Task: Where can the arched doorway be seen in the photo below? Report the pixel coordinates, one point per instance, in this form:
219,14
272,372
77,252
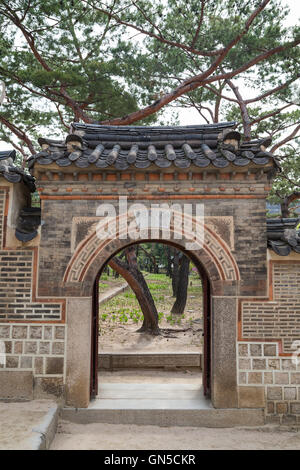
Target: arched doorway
206,311
214,258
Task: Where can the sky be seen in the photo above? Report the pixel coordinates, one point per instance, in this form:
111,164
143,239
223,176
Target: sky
191,116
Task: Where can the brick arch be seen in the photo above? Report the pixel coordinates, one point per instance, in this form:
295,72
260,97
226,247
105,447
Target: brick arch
92,253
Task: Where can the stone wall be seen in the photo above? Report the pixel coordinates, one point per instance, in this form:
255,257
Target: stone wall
262,371
32,330
2,206
269,365
33,296
39,348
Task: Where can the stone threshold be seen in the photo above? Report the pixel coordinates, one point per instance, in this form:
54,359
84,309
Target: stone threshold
167,416
131,360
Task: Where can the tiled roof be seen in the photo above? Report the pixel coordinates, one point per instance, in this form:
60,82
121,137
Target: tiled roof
121,147
283,236
12,173
5,154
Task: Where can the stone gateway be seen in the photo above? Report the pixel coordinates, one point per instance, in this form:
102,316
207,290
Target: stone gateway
50,258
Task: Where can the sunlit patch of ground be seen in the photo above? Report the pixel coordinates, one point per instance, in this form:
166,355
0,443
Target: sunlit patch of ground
121,317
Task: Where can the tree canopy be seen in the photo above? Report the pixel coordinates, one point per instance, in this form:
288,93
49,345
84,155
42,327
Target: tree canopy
125,61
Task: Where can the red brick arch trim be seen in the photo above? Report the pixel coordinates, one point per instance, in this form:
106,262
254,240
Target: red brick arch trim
214,253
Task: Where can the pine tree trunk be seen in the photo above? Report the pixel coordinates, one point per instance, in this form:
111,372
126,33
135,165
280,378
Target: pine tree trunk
182,287
175,274
169,262
136,281
285,208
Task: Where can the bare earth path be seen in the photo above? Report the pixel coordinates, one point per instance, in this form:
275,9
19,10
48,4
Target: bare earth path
131,437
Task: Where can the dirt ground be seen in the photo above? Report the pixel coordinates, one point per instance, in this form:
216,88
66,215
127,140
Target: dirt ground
120,318
131,437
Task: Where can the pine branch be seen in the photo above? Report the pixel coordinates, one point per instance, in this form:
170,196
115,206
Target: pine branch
18,133
290,137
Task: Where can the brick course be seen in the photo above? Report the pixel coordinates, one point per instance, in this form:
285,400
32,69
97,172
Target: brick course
2,205
280,318
16,274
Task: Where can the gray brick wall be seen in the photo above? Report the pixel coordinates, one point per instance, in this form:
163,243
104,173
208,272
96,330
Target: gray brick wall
2,206
281,317
16,275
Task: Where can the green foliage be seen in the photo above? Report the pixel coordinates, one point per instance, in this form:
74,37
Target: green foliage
102,285
124,309
73,47
81,61
288,180
124,315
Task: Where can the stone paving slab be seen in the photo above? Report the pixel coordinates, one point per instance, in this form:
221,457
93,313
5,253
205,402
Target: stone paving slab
112,293
28,425
119,360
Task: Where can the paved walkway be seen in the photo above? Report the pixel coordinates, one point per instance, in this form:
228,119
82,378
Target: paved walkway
112,293
22,423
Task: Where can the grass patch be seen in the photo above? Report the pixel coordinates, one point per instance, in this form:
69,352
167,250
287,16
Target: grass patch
124,308
102,285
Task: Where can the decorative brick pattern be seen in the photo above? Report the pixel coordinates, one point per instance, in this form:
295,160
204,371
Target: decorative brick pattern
16,270
84,255
58,240
260,365
279,319
39,348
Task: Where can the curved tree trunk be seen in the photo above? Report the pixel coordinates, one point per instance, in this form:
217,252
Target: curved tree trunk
285,202
182,286
151,258
136,281
169,261
175,273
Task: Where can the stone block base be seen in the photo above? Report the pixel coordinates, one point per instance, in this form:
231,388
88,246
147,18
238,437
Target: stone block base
16,385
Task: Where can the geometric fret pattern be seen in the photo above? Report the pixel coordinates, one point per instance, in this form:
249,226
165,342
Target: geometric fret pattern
215,248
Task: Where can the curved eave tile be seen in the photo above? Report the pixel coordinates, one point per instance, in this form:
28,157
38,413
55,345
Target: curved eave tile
25,237
280,248
17,175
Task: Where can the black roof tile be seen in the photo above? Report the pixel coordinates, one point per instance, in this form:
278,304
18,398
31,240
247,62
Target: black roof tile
282,236
12,173
215,145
